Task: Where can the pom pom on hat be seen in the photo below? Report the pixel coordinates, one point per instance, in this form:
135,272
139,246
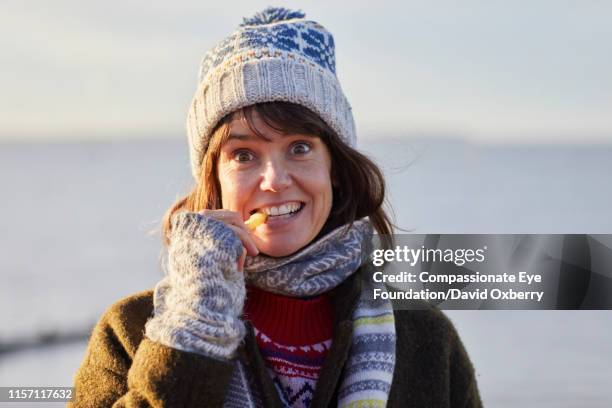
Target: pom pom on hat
272,15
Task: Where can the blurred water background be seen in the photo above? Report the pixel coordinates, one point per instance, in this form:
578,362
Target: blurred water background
79,231
486,117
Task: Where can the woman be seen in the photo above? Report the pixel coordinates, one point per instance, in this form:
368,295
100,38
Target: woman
279,314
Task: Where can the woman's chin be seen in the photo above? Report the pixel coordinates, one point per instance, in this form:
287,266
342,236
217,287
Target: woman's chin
283,240
277,252
279,249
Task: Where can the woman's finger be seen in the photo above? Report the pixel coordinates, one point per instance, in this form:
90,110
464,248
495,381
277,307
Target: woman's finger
227,216
247,240
235,222
241,260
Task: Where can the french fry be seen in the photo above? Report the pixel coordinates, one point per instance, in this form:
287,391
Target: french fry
255,220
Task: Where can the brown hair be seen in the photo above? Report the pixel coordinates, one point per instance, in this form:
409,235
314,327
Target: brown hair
358,184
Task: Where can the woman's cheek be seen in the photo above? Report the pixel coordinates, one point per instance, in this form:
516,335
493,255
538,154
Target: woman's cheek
322,190
240,187
229,187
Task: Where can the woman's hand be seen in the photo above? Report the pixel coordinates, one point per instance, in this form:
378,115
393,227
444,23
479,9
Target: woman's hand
235,222
198,304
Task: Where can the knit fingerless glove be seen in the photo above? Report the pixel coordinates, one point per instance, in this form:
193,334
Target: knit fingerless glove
197,305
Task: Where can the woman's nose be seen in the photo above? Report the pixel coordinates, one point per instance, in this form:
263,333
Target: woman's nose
276,178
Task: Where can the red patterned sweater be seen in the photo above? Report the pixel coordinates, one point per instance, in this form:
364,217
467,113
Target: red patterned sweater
294,336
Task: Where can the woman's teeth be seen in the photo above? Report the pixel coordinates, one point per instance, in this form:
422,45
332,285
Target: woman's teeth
282,209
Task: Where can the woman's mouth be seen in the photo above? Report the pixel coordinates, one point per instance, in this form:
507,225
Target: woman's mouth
282,211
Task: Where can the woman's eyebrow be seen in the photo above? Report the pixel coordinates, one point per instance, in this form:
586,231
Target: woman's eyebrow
245,137
248,137
239,136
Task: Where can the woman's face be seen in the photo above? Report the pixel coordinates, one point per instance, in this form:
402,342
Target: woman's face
287,176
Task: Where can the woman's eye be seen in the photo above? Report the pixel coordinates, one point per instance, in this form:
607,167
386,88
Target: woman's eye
300,148
243,156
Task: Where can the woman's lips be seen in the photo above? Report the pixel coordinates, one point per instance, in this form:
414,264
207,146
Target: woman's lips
273,209
278,221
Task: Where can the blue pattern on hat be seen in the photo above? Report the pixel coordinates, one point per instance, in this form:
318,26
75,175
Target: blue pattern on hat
276,29
281,36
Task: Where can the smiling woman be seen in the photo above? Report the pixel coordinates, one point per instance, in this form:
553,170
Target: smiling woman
280,314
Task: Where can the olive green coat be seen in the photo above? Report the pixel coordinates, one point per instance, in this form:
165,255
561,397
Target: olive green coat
122,368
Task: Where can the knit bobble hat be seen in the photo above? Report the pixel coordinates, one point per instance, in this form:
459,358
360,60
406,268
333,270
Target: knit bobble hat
276,55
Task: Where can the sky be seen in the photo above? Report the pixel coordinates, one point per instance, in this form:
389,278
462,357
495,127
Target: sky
492,71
